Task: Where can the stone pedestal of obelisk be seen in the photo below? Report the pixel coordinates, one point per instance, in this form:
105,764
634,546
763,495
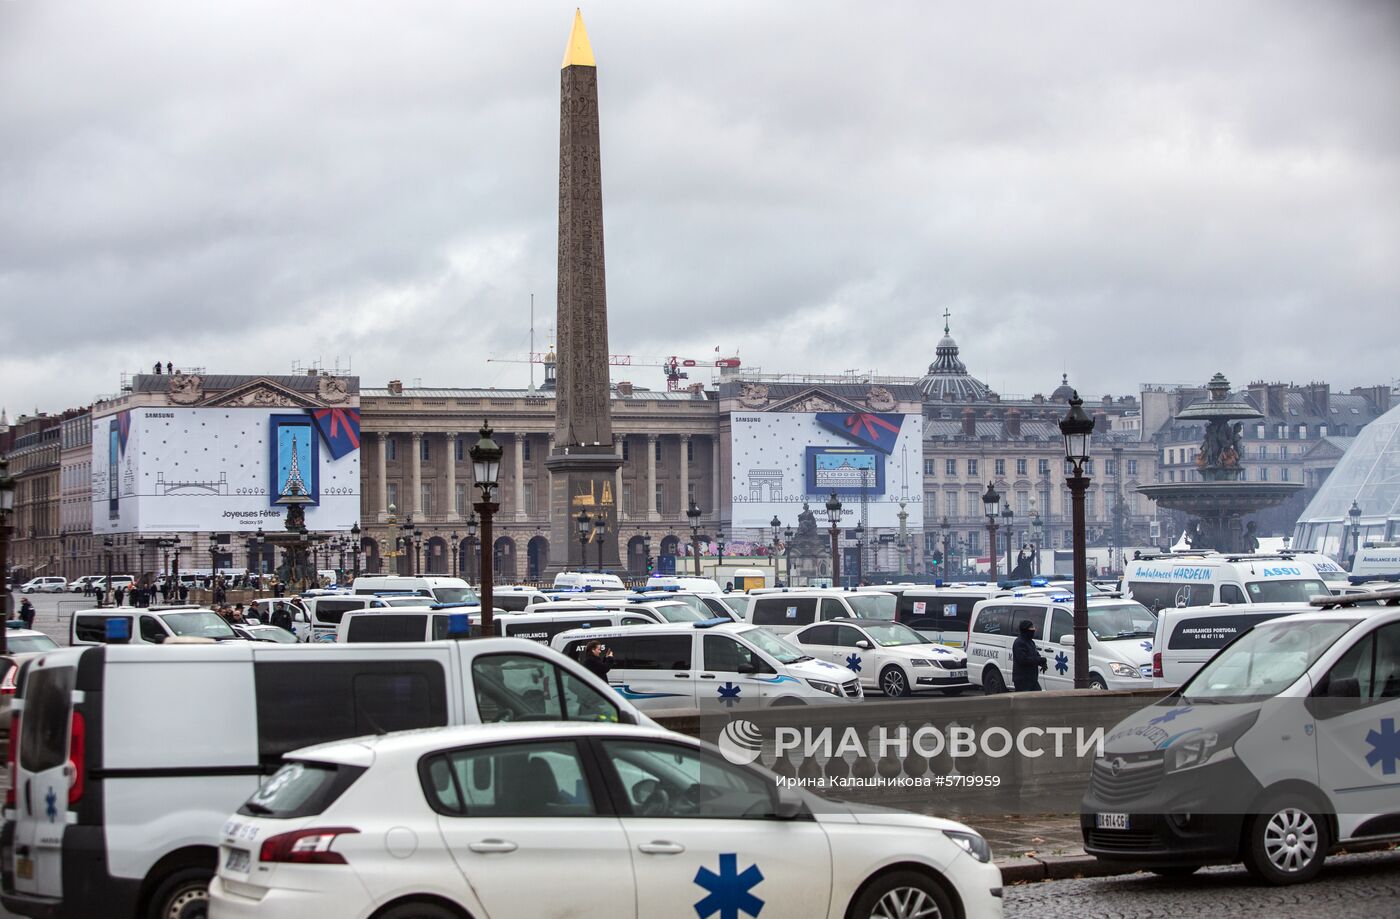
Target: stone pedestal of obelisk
583,464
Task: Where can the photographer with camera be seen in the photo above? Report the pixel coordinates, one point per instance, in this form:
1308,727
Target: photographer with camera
598,659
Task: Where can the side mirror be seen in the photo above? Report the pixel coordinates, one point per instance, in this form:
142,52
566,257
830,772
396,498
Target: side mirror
788,805
1067,640
863,645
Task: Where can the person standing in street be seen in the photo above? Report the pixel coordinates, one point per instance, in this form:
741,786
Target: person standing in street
1026,663
26,613
598,659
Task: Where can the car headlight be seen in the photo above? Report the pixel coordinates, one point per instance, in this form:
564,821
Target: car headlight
1201,748
1125,670
972,844
920,662
824,686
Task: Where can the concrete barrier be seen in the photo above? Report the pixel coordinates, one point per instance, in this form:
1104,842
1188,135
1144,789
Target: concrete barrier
868,752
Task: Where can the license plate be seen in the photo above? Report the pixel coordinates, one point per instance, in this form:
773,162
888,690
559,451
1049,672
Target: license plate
237,860
1111,821
958,674
24,868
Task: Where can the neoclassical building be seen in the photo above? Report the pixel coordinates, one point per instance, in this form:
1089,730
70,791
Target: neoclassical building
416,468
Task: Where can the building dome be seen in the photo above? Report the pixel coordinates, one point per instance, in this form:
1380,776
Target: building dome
1064,392
1369,475
947,378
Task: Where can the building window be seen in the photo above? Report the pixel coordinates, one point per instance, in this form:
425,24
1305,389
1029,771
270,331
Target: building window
689,450
657,447
1021,468
1322,430
1089,466
928,467
391,449
1089,506
972,467
391,492
1302,432
529,496
1283,474
626,453
1023,504
930,504
424,449
952,504
999,466
627,506
1110,467
525,449
1043,467
974,541
427,494
1132,467
661,497
460,499
458,449
1282,451
950,467
1066,505
1263,473
1263,451
689,493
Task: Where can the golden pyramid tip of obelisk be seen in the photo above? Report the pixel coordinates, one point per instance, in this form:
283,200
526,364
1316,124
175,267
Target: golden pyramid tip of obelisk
578,53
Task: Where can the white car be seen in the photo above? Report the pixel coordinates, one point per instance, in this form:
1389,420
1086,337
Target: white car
888,656
585,821
44,585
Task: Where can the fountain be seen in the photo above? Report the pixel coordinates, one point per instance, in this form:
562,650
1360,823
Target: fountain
1221,501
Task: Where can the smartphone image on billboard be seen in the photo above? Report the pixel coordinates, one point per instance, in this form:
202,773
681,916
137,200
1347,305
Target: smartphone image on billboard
113,461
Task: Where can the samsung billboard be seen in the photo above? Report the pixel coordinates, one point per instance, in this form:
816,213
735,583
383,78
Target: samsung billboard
220,470
781,459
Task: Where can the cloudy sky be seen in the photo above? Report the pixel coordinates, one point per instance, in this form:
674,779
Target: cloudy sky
1127,191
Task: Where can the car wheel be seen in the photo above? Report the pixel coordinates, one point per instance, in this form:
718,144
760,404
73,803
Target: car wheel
183,895
1176,871
903,895
1097,682
992,681
1287,843
893,682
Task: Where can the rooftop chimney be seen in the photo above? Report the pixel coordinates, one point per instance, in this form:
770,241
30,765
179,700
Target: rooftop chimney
396,387
969,420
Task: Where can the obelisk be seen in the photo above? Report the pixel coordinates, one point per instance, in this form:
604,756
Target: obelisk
583,464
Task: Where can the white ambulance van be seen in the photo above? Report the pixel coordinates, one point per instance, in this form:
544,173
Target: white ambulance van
1199,579
127,760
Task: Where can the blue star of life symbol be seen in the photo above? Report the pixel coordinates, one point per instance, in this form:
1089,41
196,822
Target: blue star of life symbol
1061,663
1170,716
1385,747
729,891
853,662
729,693
51,805
1146,646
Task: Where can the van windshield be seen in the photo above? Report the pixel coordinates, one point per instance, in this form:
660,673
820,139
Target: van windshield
1285,591
680,612
872,606
1121,621
200,624
455,595
1263,662
774,647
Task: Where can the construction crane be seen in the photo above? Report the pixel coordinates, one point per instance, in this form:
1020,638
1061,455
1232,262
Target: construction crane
673,366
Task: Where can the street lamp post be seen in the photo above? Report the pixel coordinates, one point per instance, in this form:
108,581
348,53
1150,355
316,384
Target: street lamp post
1354,515
107,544
583,525
600,529
943,533
1077,428
7,506
486,464
1035,537
903,545
719,541
646,553
776,526
693,512
860,553
471,544
991,505
1007,516
787,551
456,571
355,536
833,517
